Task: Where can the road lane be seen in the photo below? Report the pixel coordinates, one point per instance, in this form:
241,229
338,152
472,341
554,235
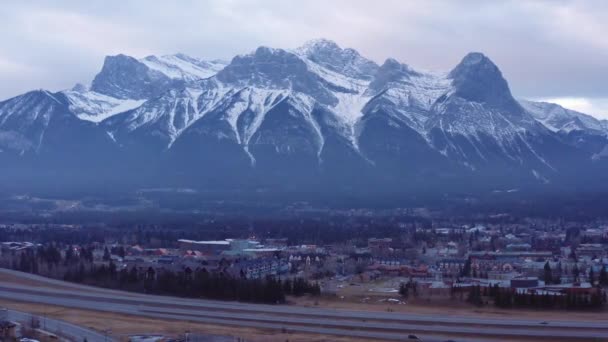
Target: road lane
125,297
346,327
59,327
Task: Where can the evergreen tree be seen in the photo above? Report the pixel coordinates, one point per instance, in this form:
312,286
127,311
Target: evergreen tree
603,277
575,272
121,252
466,270
133,277
106,254
573,254
548,274
475,295
69,255
404,290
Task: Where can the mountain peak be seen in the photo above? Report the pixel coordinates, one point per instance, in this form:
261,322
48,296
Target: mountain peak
473,58
475,63
392,71
476,78
79,88
319,44
112,60
125,77
346,61
183,67
266,50
43,95
271,68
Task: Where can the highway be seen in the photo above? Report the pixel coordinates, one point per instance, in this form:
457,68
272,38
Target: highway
370,325
58,327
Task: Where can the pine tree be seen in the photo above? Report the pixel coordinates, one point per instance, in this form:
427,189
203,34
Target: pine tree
575,272
69,255
603,277
404,290
548,275
475,296
121,252
466,270
133,277
106,254
573,255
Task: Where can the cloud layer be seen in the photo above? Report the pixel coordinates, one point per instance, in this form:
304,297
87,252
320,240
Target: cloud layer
546,49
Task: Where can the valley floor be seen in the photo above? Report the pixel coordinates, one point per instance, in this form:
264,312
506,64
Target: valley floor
19,292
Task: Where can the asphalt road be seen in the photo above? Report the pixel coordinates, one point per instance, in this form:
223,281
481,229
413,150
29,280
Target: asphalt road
58,327
372,325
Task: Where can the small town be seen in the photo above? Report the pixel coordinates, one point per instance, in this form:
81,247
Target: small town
563,268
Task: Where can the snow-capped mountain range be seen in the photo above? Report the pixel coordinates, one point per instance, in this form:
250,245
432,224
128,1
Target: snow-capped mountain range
319,115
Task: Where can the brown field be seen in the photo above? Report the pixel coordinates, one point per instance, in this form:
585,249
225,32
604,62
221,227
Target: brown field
124,325
358,297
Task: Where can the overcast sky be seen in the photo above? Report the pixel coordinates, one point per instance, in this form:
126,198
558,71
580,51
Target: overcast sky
554,49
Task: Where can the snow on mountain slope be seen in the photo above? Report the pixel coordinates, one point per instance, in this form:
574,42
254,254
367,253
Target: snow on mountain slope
321,72
347,62
478,120
248,88
164,117
558,118
480,101
338,80
350,92
39,124
335,80
180,66
96,107
258,102
300,79
419,89
407,94
126,83
24,119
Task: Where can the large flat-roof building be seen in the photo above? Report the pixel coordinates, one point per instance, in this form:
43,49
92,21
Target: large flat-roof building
205,247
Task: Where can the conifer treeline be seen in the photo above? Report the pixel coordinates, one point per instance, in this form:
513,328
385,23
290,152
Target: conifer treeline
510,298
184,283
197,284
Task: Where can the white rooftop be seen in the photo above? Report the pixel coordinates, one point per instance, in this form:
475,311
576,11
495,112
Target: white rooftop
219,242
